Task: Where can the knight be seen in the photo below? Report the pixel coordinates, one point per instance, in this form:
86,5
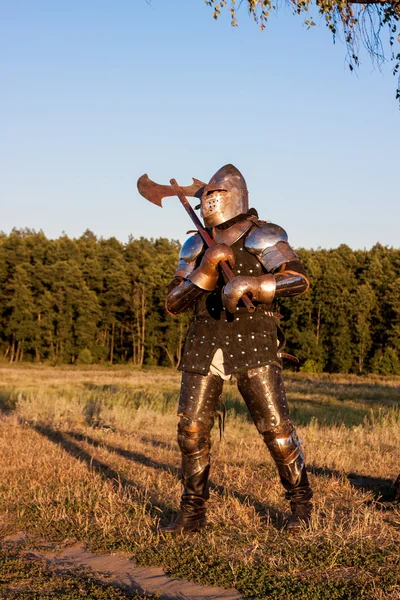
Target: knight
225,340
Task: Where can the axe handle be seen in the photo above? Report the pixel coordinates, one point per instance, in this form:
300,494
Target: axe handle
229,274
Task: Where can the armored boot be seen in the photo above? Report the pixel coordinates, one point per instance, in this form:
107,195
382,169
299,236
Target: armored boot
194,442
300,504
192,513
300,517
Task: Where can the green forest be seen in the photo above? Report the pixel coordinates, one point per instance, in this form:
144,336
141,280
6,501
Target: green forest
93,300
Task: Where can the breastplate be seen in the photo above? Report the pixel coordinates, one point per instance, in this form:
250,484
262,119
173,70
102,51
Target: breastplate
248,340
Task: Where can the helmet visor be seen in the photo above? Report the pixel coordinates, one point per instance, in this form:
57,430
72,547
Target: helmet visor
214,206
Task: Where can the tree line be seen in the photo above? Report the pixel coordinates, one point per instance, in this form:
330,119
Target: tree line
91,300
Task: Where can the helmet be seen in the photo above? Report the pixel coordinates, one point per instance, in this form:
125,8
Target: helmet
224,197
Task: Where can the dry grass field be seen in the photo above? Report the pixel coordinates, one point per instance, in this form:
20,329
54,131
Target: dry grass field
90,454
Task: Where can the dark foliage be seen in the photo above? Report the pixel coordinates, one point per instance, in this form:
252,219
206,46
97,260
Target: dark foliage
92,300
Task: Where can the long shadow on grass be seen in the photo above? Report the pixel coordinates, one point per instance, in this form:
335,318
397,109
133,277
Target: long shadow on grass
104,470
263,510
382,489
129,454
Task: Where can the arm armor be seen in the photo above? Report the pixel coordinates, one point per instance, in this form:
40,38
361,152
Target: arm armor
291,280
182,294
190,252
269,243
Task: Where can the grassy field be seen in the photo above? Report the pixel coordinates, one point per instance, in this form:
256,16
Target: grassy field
90,454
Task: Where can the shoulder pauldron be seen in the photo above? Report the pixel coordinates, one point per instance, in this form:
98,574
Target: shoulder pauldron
269,243
188,255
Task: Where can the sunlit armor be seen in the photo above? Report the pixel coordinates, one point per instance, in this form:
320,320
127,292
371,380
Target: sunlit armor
225,339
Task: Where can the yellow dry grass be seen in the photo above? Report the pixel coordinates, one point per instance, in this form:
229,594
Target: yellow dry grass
91,454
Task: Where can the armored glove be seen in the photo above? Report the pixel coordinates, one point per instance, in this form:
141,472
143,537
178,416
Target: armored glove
206,275
261,289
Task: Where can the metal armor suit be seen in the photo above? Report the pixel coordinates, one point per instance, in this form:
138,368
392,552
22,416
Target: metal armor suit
224,339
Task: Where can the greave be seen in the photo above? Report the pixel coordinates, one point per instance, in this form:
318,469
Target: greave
194,442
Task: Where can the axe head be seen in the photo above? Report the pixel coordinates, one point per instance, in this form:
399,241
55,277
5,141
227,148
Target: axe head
155,192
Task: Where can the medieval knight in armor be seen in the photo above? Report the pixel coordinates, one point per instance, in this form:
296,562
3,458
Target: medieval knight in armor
225,339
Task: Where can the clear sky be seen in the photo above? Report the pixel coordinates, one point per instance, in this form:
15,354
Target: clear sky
93,94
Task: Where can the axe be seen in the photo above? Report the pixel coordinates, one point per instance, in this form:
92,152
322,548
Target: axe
155,192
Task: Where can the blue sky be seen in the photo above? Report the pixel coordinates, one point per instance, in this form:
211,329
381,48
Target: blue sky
93,94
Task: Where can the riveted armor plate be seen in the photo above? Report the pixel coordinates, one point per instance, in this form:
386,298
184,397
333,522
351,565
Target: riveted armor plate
247,339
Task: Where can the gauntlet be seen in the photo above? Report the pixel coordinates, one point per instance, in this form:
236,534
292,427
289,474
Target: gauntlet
261,289
206,275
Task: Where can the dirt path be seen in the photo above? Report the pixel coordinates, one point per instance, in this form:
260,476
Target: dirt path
123,573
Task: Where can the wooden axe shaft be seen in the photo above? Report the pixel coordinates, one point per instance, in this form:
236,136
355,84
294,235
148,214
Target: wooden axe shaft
229,274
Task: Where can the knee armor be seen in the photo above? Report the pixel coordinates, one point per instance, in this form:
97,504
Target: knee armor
194,442
286,451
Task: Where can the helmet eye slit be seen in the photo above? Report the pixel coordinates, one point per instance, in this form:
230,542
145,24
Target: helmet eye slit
212,192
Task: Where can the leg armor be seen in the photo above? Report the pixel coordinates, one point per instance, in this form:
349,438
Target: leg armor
197,408
264,394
